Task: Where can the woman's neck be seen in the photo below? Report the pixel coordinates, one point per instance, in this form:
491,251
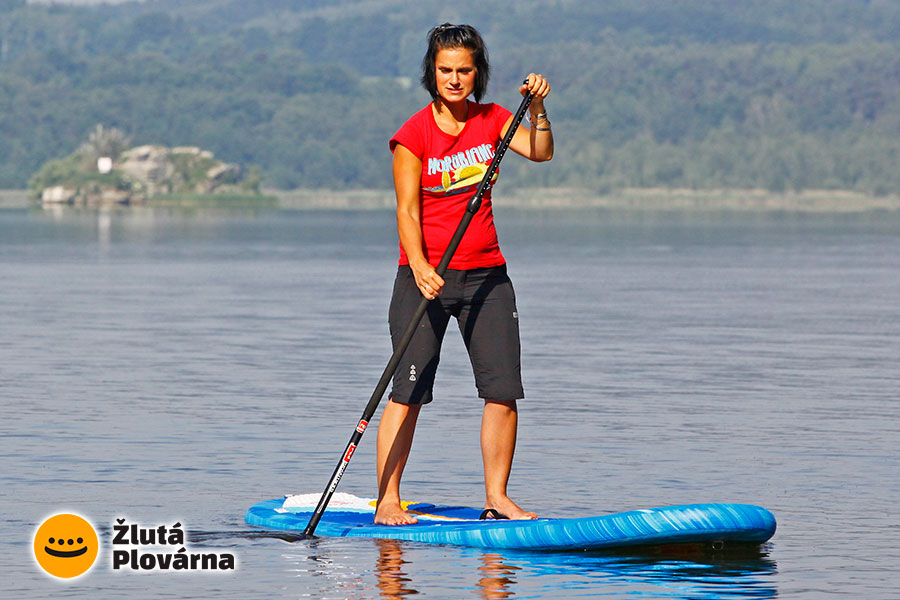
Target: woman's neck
451,117
458,111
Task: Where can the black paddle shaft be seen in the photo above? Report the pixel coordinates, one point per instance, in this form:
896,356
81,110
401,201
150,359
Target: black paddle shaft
394,362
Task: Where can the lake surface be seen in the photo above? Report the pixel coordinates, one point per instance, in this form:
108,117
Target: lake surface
167,366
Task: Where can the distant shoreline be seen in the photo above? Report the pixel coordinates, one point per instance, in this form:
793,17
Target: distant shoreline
636,199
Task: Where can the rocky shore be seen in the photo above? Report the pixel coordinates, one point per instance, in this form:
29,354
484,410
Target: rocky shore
106,171
137,175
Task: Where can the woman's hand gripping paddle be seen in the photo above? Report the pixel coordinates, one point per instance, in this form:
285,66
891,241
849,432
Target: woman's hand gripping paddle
394,362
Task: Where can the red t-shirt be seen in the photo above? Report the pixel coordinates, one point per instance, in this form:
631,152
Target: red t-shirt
452,168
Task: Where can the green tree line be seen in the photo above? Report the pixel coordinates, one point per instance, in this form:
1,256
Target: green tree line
776,94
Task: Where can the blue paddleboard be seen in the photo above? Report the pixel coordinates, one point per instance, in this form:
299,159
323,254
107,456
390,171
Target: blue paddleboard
349,516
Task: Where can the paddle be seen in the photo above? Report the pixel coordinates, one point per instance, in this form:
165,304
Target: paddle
388,374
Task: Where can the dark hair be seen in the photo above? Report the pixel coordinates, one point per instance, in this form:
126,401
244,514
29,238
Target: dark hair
456,36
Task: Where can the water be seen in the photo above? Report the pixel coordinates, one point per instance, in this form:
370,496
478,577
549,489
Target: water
167,366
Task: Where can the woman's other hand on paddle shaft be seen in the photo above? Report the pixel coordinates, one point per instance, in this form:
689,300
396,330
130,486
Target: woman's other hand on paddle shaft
427,280
534,143
540,87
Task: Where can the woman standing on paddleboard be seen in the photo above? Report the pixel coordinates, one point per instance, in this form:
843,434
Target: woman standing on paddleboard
440,156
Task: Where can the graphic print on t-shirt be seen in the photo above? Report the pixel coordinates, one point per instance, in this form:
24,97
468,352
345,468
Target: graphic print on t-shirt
461,170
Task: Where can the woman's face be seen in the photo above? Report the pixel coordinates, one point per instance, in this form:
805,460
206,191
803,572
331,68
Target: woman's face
454,71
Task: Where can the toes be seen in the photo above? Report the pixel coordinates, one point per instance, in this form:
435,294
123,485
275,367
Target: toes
524,516
401,519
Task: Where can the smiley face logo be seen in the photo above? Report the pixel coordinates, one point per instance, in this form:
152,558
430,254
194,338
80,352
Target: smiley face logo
66,546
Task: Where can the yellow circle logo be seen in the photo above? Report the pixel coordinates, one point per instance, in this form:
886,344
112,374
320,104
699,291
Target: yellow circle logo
66,546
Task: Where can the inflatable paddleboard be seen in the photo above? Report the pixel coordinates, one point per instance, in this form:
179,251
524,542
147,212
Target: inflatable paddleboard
349,516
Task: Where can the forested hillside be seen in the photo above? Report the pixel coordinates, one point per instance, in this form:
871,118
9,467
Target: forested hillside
674,93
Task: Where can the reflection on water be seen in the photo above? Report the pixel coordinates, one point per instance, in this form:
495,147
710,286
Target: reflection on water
497,577
686,572
392,579
405,569
735,573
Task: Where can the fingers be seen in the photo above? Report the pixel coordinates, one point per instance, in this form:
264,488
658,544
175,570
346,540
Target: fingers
538,85
429,283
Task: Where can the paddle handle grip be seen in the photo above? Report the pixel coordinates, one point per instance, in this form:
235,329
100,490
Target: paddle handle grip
388,373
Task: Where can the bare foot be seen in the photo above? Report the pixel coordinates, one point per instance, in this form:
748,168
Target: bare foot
507,507
390,513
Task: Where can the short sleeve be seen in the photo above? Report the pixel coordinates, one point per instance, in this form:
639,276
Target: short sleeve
411,137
